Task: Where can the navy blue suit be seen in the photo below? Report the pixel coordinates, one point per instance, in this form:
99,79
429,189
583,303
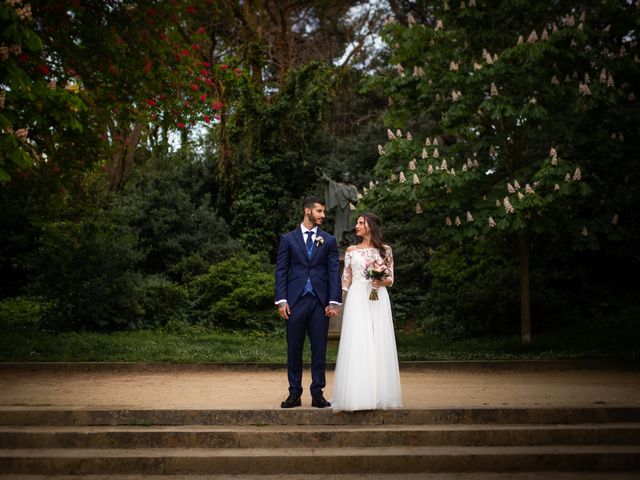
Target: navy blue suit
293,267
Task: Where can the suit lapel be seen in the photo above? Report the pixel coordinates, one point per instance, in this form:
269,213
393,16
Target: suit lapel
297,235
316,246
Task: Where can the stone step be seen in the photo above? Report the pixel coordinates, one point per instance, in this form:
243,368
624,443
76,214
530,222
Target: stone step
309,416
321,460
542,475
195,436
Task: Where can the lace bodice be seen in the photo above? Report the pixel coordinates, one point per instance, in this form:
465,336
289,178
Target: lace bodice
357,260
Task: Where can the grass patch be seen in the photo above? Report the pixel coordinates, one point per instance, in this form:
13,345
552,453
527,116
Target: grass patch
194,344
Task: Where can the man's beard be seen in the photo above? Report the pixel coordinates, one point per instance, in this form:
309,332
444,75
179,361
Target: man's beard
317,221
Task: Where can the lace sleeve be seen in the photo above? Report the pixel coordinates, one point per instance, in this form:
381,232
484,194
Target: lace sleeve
346,273
388,261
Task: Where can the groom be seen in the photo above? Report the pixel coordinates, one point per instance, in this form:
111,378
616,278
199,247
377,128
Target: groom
308,291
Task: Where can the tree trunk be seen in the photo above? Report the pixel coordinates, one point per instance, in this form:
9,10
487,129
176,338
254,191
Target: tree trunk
525,291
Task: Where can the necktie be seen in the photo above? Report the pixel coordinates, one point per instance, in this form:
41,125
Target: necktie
308,288
309,243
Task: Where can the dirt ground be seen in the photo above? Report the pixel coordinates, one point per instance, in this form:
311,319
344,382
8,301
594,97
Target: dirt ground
261,388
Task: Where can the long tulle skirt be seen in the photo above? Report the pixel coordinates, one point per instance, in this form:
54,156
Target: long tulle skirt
367,376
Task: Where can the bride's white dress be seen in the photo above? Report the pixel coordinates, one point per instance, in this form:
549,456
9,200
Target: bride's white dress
367,376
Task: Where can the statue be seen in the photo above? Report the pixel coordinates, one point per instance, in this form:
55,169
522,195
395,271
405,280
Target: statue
342,197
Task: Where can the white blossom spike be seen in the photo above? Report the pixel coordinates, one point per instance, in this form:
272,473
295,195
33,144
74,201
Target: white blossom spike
573,43
446,5
430,169
399,68
577,175
453,172
469,163
448,221
554,28
495,57
412,165
583,16
457,221
477,66
603,75
425,154
463,5
427,142
533,37
393,177
556,187
455,95
631,97
410,20
364,190
581,26
510,188
584,90
607,28
567,177
436,153
371,185
443,165
439,25
399,133
475,162
418,208
416,180
615,219
453,66
507,205
469,217
587,78
520,40
529,189
610,82
516,185
409,136
498,203
545,35
492,222
464,167
585,232
402,178
380,150
570,21
472,3
520,196
494,90
435,142
390,134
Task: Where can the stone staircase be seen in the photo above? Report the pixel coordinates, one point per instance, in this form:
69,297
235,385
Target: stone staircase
465,443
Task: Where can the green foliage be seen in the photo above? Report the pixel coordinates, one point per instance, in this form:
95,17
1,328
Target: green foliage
473,292
163,303
87,268
166,204
22,313
32,108
237,293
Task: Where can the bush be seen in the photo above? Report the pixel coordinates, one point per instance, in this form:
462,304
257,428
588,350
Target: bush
474,291
164,303
22,313
237,293
87,268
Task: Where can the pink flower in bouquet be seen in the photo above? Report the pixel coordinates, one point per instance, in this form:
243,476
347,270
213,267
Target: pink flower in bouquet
374,270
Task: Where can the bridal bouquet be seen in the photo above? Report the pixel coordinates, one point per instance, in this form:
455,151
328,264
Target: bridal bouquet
375,271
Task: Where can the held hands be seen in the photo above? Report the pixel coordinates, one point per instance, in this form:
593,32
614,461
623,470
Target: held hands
332,311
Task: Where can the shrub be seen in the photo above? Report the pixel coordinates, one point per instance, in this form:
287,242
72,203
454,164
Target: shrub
164,303
237,293
22,313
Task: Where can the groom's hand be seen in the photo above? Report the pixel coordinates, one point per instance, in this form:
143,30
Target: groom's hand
331,311
284,311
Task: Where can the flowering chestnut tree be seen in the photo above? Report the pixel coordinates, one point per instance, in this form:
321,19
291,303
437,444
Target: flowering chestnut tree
515,110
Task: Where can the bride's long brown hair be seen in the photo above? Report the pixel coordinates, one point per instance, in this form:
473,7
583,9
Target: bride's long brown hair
376,232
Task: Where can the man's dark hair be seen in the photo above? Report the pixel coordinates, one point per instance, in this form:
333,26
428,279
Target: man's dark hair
309,201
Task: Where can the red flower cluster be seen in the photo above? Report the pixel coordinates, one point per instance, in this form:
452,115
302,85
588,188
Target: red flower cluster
217,105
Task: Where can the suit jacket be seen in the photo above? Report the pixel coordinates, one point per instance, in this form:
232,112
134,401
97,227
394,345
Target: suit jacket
293,267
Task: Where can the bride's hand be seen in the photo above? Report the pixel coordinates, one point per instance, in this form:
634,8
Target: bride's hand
377,284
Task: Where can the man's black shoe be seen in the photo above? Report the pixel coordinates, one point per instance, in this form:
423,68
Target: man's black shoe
319,402
291,401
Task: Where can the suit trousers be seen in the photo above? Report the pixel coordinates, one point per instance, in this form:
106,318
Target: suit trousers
307,319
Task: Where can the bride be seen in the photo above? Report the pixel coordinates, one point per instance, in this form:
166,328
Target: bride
367,376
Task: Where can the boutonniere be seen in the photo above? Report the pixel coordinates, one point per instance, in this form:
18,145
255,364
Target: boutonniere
319,240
